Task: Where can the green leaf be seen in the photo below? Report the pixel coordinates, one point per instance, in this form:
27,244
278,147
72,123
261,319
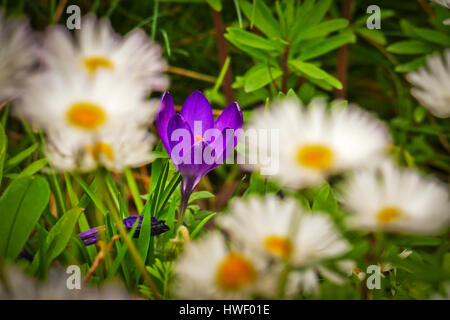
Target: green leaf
410,47
314,72
14,161
411,65
374,35
60,234
199,227
33,167
259,76
308,69
252,40
321,47
215,4
21,205
159,155
258,54
122,250
318,31
384,14
200,195
433,36
262,18
318,12
3,146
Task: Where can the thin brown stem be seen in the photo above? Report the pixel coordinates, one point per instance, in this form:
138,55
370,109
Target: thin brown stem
342,65
285,70
191,74
223,54
426,8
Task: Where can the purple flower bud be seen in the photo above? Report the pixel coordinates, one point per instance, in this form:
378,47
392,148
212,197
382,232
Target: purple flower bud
158,226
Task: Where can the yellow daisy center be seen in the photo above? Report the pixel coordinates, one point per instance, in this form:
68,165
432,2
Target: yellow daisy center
92,64
278,246
315,156
388,214
86,115
234,272
101,148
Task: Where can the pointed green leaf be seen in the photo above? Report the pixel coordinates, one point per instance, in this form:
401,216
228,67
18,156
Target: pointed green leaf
21,205
262,18
410,47
60,234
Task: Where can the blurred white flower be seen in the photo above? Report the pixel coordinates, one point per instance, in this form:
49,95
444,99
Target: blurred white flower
280,229
114,151
102,120
97,47
315,142
84,108
23,287
207,269
275,229
17,56
399,200
432,84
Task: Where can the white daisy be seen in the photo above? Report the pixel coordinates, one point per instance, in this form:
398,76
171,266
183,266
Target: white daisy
314,143
97,46
432,84
207,269
84,108
279,229
400,200
114,151
101,121
17,56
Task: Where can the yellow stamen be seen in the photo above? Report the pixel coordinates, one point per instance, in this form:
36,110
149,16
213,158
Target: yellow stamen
315,156
278,246
92,64
234,272
198,138
388,214
101,148
86,115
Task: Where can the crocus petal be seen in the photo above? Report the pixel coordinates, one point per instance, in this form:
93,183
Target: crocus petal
165,112
197,108
180,138
231,118
223,147
192,171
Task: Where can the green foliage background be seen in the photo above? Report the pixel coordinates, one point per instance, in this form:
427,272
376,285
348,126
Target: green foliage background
273,48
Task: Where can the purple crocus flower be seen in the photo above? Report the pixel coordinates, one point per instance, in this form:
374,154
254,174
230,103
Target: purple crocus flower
205,143
158,226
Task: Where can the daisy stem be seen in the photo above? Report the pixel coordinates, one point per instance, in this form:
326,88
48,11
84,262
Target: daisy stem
282,281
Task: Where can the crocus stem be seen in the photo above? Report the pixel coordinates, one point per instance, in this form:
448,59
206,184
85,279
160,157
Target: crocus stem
183,205
187,187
